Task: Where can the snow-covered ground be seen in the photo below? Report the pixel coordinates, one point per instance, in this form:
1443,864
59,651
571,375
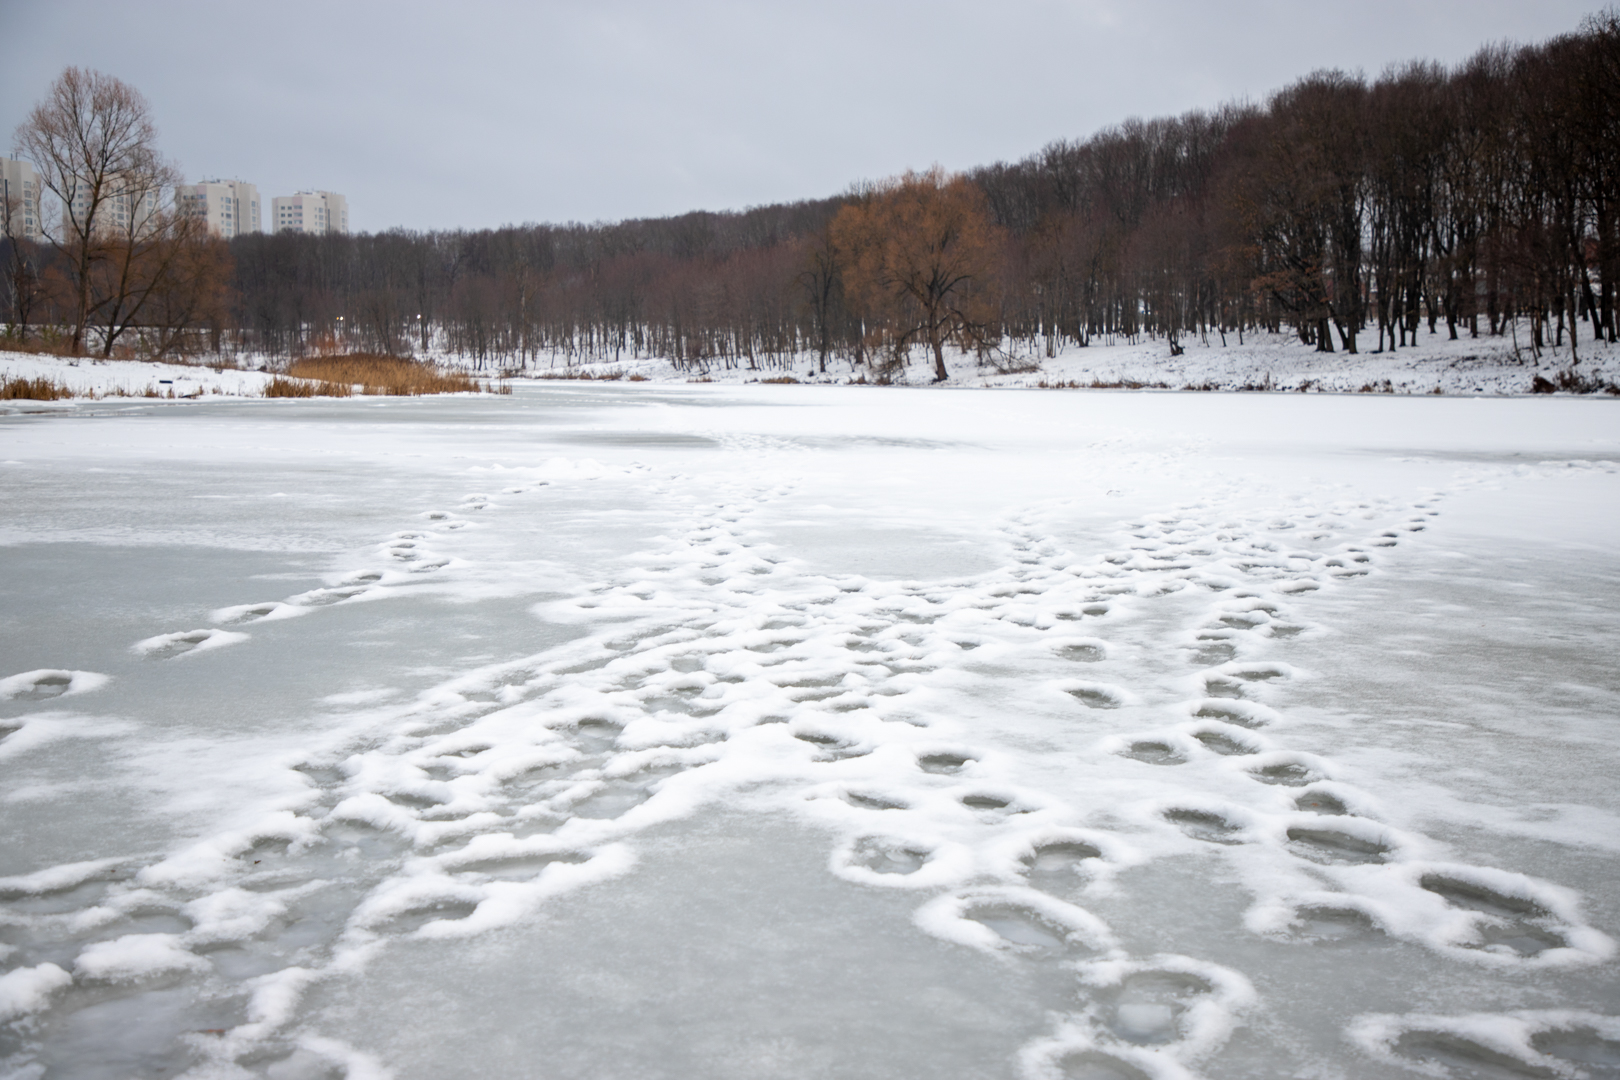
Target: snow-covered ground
129,378
641,731
1484,365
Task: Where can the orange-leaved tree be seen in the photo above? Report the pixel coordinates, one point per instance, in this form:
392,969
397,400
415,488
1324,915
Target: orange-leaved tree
919,251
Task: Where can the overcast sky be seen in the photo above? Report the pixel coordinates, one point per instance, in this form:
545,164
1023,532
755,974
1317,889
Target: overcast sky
474,114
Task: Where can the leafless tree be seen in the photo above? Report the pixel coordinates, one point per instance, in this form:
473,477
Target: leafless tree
22,285
93,145
923,249
1339,206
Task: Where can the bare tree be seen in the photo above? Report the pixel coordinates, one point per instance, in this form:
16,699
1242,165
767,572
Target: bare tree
925,244
92,143
189,305
820,279
22,286
1338,205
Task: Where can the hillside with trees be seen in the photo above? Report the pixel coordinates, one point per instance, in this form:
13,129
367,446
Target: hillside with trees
1346,211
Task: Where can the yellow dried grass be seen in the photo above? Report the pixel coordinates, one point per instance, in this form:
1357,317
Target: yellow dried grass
40,389
381,375
305,388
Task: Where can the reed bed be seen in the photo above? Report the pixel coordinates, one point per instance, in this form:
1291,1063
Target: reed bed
573,375
305,388
40,389
376,375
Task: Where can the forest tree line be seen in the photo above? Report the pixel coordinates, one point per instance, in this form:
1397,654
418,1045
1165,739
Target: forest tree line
1353,213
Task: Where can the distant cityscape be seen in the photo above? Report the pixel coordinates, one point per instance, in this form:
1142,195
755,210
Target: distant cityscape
230,207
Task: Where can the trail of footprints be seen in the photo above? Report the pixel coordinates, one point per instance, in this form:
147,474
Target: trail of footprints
400,559
740,673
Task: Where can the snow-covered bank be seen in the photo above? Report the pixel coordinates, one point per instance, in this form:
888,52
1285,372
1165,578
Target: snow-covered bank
1497,366
88,378
1484,365
61,383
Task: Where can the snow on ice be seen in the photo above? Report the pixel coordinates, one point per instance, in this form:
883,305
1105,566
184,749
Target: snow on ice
667,731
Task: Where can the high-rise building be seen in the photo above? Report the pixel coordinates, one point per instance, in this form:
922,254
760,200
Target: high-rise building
126,206
314,212
19,200
231,207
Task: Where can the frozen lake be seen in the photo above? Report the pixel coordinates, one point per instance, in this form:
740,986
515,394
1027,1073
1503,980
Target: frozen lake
650,732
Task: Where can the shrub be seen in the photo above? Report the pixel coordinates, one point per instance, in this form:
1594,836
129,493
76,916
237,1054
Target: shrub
1570,381
41,341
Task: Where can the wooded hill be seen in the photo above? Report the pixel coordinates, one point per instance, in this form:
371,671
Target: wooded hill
1346,210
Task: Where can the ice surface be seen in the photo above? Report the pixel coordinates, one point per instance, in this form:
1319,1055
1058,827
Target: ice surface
655,732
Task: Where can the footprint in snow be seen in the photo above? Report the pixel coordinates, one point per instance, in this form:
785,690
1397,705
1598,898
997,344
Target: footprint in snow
1225,744
1021,929
1083,652
516,867
323,597
419,915
1285,774
186,643
1098,1064
943,763
867,800
46,683
1509,925
1147,1007
1211,650
882,855
1258,673
1221,686
1096,695
1205,825
1336,846
992,805
251,613
1460,1056
1056,867
1153,752
1324,925
831,747
1320,802
1242,714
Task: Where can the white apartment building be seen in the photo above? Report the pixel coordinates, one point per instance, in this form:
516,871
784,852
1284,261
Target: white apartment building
231,207
18,182
314,212
120,211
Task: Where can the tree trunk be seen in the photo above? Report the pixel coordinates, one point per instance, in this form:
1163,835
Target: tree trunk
940,374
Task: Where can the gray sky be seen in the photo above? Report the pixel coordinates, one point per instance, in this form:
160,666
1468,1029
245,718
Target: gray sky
481,113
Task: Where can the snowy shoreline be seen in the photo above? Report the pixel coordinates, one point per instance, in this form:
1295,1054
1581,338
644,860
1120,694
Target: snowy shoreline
1276,363
90,379
1485,366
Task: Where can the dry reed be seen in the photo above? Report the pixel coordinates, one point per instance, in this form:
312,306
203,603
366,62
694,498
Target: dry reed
305,388
40,389
379,375
573,375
